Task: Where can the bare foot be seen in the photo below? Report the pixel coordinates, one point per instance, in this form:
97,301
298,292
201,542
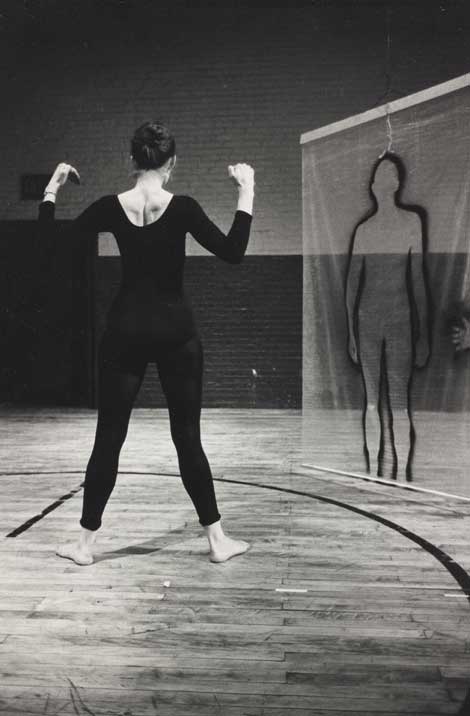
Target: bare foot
76,552
221,547
226,549
80,551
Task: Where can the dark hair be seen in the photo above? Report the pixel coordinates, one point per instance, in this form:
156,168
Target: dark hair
152,145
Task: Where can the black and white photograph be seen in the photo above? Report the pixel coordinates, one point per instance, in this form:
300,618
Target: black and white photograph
235,358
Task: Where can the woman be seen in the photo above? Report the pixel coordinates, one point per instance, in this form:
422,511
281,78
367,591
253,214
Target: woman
151,320
387,309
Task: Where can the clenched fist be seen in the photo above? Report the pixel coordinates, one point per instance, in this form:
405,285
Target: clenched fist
243,175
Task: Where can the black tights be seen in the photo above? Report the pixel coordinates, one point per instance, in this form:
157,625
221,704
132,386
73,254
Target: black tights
180,371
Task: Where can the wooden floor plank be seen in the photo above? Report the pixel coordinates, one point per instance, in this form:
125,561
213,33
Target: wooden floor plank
378,626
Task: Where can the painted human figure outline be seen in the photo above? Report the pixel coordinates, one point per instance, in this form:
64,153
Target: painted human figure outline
388,309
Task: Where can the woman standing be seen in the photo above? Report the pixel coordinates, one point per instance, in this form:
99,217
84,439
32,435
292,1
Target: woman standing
151,320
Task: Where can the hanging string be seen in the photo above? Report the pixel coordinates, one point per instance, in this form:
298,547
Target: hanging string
389,91
389,148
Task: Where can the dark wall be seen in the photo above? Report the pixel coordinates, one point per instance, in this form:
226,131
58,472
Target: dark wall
55,292
236,83
46,315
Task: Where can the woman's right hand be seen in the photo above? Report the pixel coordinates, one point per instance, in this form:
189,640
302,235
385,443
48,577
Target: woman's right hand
243,175
61,173
461,335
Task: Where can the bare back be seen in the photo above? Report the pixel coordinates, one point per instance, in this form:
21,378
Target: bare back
143,208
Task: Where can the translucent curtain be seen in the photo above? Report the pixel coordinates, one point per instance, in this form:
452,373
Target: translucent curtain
386,278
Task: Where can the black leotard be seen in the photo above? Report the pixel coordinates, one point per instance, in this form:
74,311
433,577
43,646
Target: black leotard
151,320
151,309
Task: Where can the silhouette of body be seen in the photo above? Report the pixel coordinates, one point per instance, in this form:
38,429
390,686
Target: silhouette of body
387,311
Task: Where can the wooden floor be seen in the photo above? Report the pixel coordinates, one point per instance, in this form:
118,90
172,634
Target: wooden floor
330,613
441,457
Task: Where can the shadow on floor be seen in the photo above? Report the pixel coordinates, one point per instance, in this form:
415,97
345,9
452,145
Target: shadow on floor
156,544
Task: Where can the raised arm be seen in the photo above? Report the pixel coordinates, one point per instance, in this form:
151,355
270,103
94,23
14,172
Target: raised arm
353,278
230,247
91,220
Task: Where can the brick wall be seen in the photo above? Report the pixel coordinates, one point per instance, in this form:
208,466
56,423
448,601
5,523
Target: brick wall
235,84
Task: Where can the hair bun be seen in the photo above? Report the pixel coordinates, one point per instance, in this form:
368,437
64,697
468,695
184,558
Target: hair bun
152,145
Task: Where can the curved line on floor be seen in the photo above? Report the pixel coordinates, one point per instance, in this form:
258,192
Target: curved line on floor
460,575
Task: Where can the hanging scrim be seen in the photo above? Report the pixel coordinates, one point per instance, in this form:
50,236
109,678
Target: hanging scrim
386,356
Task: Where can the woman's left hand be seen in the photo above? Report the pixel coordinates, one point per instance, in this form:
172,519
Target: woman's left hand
62,172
